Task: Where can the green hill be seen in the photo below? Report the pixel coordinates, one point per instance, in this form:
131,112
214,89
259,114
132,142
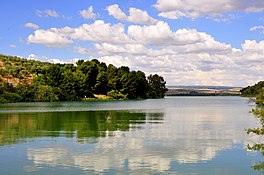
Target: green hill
16,70
252,91
29,80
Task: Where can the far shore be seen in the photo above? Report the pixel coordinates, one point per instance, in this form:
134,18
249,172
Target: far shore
203,91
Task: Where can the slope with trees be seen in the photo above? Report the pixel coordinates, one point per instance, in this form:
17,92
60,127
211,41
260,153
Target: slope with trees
257,91
29,80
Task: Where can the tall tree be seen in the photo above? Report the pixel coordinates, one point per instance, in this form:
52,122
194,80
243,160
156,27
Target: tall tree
157,86
101,85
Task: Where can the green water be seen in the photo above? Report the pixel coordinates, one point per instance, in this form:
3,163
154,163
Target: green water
176,135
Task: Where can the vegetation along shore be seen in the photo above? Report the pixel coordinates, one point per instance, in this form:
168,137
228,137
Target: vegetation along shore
23,80
257,92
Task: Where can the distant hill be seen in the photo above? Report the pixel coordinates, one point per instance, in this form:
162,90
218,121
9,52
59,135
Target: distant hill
16,70
202,91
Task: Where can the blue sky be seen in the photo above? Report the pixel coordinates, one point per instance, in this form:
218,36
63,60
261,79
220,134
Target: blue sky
186,41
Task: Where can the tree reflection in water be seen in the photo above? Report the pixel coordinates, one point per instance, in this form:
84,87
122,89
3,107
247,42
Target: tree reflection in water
259,113
17,127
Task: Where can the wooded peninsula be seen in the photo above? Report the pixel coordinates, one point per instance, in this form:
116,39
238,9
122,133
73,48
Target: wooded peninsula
257,92
23,80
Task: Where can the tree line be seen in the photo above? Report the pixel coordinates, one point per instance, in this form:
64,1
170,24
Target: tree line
68,82
257,91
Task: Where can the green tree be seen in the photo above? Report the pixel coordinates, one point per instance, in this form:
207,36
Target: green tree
82,88
142,84
252,91
259,113
90,69
26,91
157,86
45,93
69,86
101,85
54,75
113,80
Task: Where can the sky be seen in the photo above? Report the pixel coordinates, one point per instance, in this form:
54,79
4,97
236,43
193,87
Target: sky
188,42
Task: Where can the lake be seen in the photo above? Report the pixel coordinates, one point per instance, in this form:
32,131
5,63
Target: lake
175,135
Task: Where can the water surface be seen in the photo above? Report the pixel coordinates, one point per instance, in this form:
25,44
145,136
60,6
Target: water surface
175,135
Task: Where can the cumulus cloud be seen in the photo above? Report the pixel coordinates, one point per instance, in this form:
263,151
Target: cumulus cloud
195,9
161,35
99,31
202,67
184,56
106,49
136,16
52,37
47,13
88,14
253,46
31,25
116,12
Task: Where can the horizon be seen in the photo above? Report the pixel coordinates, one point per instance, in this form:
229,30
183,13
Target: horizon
202,86
179,40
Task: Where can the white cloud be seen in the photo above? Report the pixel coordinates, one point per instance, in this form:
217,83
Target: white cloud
82,50
99,31
12,46
253,46
52,37
52,13
107,49
136,16
88,14
31,25
195,9
261,28
227,18
161,35
217,64
47,13
37,58
184,56
50,60
116,12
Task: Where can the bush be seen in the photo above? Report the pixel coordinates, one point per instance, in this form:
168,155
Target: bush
12,97
260,98
116,94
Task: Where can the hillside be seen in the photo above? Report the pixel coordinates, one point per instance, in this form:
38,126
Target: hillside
15,70
252,91
256,91
23,80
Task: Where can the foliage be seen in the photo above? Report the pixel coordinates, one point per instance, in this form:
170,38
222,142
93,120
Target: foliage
258,91
260,98
30,80
116,94
253,91
45,93
157,86
259,167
